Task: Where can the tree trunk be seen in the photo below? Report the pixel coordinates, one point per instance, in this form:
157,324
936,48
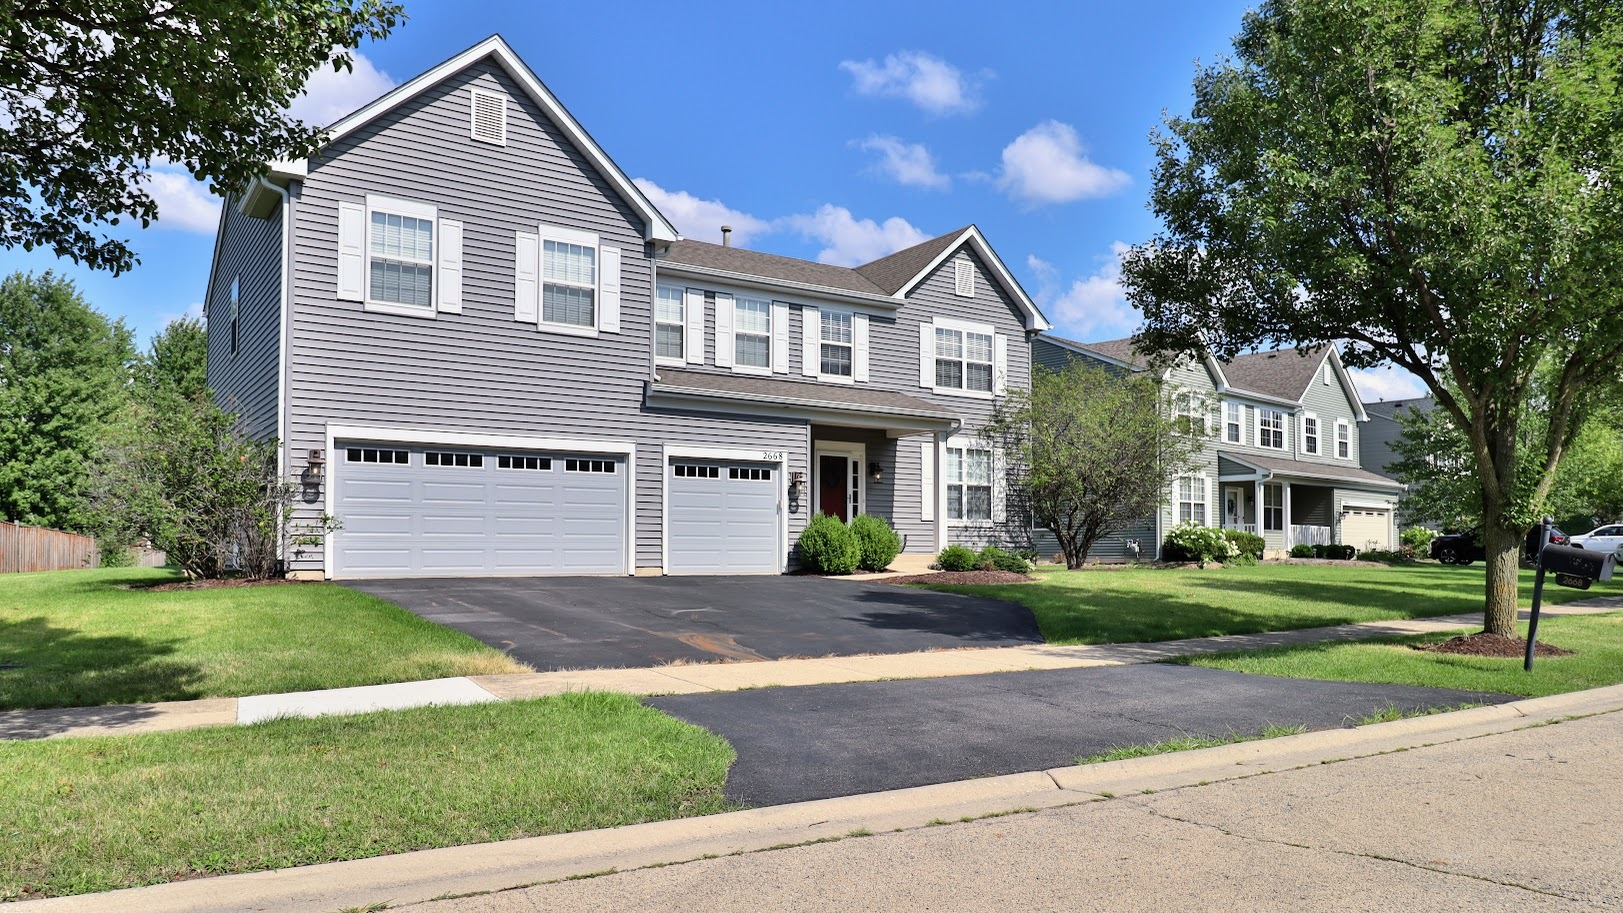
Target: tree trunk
1503,553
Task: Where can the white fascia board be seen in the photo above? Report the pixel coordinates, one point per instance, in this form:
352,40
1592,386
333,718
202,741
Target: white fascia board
1035,321
656,226
775,287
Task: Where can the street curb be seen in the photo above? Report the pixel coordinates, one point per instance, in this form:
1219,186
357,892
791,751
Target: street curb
410,878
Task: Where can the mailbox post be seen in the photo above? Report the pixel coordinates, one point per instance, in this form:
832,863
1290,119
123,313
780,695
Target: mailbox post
1538,589
1574,567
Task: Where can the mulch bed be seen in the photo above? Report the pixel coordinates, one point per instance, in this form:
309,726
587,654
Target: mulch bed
966,577
228,583
1496,645
1336,562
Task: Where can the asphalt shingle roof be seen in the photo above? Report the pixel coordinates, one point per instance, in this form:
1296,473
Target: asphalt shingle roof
892,272
807,392
1121,350
1310,469
1389,408
1284,374
770,266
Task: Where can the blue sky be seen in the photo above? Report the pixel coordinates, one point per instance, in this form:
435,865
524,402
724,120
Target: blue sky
834,131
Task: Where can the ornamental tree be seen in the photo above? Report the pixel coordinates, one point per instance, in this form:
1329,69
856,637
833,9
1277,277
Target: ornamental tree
1438,184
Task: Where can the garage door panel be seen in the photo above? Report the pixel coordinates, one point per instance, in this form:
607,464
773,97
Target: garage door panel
719,523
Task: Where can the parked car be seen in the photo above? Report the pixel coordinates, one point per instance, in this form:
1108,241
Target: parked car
1602,539
1466,547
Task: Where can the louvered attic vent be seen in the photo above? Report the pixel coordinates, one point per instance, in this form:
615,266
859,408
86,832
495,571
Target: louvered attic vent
489,117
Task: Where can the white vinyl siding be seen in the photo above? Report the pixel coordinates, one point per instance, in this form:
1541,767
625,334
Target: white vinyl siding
670,325
969,483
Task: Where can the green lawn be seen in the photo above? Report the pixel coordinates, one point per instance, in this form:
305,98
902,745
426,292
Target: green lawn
85,638
1127,606
81,815
1597,641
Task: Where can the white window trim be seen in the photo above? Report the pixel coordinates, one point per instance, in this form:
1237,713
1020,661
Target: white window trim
1239,422
967,444
1352,453
963,326
857,454
1318,434
836,378
682,294
567,236
771,330
1284,428
1203,485
411,209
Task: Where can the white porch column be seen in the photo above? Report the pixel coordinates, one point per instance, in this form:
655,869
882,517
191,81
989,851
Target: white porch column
940,493
1256,508
1287,524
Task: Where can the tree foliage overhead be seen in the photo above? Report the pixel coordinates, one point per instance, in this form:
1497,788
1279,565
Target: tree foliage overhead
93,92
1438,183
1086,453
64,375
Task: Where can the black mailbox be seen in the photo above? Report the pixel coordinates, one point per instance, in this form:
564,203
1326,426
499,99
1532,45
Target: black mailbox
1576,566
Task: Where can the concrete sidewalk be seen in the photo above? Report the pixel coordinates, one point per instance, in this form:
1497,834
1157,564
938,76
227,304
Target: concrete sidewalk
693,679
1328,809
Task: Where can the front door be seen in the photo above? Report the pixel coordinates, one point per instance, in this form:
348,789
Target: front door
1234,508
834,486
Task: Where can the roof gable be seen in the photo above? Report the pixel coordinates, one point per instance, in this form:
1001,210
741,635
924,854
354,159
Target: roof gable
932,253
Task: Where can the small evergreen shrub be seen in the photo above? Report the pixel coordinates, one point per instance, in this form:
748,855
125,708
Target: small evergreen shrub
1341,552
993,558
1200,544
1243,559
112,553
1029,554
1302,551
1246,543
1419,538
1321,551
827,546
877,542
957,558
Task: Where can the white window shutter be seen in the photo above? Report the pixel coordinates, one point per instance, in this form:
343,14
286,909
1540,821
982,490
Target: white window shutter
724,330
859,347
1000,364
526,277
927,355
351,251
449,280
608,289
780,338
693,336
811,341
927,480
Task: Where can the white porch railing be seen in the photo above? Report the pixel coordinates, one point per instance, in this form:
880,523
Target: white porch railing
1242,527
1311,535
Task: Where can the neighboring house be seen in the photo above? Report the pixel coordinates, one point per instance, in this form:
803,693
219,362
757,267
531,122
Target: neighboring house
1283,459
486,352
1386,426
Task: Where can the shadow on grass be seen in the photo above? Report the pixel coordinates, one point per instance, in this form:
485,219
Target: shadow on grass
64,667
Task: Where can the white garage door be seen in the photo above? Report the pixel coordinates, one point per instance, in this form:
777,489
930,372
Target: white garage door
411,511
1365,528
723,518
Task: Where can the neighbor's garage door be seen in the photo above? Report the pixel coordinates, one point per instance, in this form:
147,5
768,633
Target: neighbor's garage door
432,512
1365,528
723,518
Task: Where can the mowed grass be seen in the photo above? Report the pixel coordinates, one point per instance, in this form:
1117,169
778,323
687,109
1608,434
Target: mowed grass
1597,641
86,638
1128,606
81,815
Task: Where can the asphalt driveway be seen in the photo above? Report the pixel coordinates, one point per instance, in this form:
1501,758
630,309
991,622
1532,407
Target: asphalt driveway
820,741
608,622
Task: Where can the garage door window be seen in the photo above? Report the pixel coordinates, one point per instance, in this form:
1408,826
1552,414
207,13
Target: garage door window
589,466
751,474
457,460
689,471
523,462
376,455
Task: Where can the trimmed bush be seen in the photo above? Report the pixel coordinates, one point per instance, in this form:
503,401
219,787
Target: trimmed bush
1245,543
1419,537
957,558
827,546
1403,555
1243,559
1302,551
1321,551
993,558
1341,552
1200,544
878,543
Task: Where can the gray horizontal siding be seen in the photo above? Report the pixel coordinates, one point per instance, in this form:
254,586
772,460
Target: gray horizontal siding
249,252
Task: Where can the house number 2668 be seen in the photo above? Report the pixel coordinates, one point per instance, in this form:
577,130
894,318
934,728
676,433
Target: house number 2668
772,454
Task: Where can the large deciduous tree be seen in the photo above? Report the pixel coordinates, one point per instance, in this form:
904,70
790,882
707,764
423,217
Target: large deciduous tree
93,92
1085,453
1438,183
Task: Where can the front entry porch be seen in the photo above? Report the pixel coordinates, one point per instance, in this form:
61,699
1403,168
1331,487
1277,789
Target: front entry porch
1283,513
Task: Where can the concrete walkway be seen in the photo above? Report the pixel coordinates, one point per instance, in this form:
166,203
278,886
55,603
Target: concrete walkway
693,679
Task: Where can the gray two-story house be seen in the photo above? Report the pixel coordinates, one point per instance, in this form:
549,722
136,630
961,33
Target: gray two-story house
1283,456
485,352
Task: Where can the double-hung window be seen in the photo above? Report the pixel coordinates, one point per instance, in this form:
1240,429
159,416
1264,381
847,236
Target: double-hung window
1343,440
1271,429
400,253
568,283
669,324
1310,434
963,360
1233,427
1273,508
752,333
969,483
837,343
1192,500
1189,411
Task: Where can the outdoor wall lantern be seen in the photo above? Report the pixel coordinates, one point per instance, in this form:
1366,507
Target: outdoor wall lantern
314,463
797,483
876,472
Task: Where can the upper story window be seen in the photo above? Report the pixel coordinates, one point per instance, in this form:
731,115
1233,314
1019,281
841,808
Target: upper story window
752,333
568,283
1310,434
234,317
969,483
1233,427
669,324
1343,440
400,254
837,343
1189,412
963,360
1271,428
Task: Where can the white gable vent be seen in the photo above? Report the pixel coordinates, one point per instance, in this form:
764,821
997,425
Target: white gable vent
489,117
964,276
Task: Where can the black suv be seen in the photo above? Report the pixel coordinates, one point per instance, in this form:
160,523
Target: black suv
1464,548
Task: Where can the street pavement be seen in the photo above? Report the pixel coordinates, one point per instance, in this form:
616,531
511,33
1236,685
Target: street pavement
1526,820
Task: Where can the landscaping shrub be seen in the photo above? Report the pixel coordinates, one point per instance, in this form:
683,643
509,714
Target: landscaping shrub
877,542
112,553
1245,543
827,546
1321,551
957,558
1242,559
1402,555
1029,554
1340,552
1302,551
1200,544
1419,537
993,558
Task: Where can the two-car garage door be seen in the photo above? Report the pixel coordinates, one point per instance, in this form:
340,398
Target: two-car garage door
411,511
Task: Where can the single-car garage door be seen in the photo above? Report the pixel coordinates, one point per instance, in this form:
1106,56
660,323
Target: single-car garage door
412,511
723,518
1365,528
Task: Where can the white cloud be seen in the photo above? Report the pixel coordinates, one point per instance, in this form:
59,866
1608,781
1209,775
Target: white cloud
331,94
702,219
1092,308
850,241
925,80
906,163
183,202
1386,383
1047,164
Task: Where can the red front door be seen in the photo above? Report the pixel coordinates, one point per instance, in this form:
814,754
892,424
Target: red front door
833,485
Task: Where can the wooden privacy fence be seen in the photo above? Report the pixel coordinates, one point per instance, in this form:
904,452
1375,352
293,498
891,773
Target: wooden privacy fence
34,548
